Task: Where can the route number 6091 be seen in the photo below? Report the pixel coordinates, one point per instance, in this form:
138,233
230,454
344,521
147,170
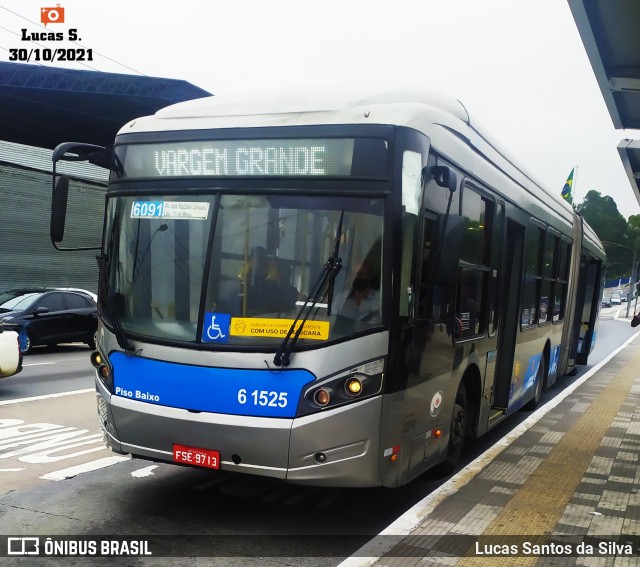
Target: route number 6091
263,398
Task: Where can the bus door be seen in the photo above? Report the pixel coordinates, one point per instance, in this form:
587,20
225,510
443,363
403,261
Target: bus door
587,306
509,317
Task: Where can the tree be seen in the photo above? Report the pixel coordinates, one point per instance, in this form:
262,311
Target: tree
633,229
603,216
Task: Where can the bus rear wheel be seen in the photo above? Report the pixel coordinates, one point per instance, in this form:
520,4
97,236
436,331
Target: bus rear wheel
535,401
457,433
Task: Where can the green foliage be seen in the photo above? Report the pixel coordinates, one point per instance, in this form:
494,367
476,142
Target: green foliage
601,213
603,216
633,228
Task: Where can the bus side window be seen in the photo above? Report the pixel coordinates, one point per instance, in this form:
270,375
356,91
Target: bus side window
470,302
425,292
547,282
496,261
530,314
475,264
562,264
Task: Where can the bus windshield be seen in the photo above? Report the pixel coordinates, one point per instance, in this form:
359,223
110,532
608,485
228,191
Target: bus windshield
237,270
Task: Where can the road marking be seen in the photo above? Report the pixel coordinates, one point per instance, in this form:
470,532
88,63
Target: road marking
46,397
37,364
625,318
373,550
147,471
11,470
70,472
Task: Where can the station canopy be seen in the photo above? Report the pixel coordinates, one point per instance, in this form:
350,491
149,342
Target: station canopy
609,31
44,106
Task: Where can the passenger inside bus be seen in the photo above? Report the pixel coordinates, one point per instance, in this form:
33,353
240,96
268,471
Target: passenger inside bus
268,284
362,301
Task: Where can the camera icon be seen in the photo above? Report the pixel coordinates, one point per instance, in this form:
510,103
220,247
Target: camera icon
52,15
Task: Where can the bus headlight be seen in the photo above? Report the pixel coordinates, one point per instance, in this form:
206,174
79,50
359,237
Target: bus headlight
96,359
104,370
353,386
345,388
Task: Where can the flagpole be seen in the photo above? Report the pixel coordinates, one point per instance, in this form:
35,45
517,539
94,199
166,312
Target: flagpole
575,177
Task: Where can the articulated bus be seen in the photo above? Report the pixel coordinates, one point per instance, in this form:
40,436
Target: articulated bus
329,289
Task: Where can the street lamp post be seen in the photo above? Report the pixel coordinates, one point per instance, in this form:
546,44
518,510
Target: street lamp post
632,277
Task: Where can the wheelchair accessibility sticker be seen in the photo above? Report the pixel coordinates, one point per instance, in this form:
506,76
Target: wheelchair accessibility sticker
216,327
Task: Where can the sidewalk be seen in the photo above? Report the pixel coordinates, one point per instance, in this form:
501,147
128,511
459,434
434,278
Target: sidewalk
563,488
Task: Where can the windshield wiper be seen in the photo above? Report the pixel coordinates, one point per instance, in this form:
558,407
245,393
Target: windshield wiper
324,282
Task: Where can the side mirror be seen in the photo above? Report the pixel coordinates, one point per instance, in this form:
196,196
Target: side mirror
71,151
59,199
41,311
445,177
447,238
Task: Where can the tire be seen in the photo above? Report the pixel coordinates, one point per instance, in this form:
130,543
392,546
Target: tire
457,434
540,377
28,345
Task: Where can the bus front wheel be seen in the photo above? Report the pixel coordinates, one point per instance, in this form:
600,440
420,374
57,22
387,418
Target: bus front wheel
457,433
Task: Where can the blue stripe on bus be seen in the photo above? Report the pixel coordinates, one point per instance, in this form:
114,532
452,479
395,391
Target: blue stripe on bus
531,372
262,393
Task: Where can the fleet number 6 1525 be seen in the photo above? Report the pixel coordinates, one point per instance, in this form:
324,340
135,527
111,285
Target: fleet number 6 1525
263,398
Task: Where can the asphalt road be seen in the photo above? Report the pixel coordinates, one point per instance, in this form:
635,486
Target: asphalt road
50,370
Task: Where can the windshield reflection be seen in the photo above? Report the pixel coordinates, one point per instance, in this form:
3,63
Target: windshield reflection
264,256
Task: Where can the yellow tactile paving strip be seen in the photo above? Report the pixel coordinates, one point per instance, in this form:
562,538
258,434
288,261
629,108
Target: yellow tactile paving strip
538,506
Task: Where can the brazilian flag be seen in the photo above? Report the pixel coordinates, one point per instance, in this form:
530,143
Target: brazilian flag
567,190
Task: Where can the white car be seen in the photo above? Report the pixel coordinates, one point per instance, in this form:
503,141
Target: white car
616,299
86,292
10,357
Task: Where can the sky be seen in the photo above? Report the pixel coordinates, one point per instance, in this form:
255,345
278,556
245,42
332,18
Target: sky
518,66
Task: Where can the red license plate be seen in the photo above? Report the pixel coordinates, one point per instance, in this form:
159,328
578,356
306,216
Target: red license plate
196,457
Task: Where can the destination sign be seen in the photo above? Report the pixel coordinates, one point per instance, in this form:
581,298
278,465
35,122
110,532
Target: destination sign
238,158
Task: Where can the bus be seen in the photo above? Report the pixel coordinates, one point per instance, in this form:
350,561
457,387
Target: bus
327,288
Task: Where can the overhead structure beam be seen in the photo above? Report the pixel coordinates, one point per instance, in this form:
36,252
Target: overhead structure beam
609,32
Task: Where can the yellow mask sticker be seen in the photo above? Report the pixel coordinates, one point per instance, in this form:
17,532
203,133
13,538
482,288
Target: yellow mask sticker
258,327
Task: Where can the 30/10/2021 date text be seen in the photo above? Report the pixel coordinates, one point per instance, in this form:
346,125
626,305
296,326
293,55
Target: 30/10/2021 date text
47,54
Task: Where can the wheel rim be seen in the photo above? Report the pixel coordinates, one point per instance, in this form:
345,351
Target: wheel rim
458,426
539,378
27,344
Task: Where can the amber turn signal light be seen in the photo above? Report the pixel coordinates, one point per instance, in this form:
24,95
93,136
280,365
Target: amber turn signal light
322,397
353,386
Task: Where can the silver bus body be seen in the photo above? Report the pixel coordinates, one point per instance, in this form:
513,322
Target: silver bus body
430,364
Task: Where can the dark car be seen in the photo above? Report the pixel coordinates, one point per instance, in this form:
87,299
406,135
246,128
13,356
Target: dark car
48,316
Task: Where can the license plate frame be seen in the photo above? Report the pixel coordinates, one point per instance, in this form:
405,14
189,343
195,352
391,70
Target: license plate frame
196,456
